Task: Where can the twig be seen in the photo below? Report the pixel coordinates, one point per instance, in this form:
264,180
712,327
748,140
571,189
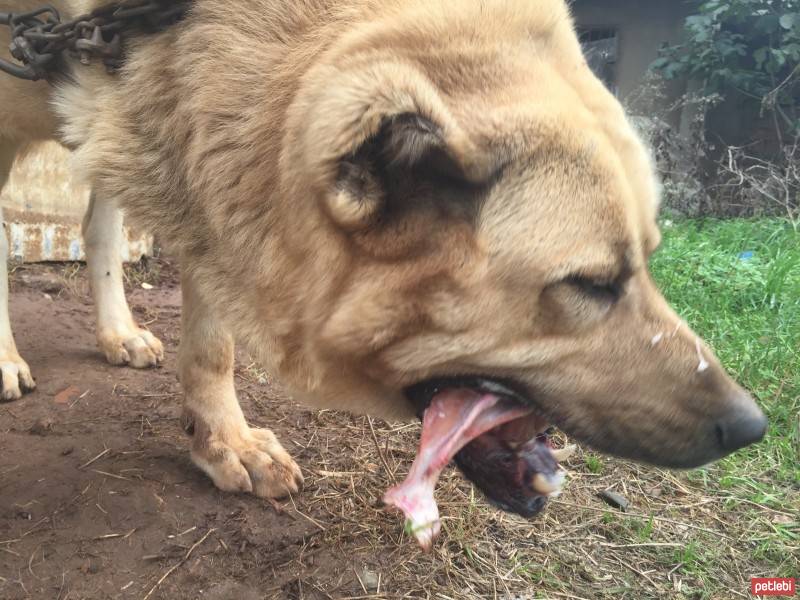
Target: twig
644,545
107,474
32,529
95,459
109,536
566,595
63,581
323,473
363,587
305,516
641,516
380,452
164,395
178,564
30,562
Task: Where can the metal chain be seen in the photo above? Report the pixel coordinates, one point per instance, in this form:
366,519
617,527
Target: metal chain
39,38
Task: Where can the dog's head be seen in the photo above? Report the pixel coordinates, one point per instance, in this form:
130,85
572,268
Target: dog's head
477,210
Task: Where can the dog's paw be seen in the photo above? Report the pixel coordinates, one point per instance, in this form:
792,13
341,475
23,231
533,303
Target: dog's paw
16,376
248,460
135,347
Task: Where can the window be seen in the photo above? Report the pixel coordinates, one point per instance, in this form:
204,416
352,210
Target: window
601,47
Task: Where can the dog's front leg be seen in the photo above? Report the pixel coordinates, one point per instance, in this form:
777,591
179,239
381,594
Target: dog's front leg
119,337
16,376
237,457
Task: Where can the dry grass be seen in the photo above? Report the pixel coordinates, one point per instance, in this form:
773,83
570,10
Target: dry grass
678,539
578,548
696,534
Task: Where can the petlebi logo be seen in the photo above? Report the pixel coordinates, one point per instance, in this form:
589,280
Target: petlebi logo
773,586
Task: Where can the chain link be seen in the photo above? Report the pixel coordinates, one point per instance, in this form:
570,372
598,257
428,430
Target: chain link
39,38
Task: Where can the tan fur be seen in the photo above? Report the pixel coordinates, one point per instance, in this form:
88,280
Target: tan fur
228,135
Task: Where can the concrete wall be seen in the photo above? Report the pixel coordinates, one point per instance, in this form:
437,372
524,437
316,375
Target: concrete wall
43,206
643,27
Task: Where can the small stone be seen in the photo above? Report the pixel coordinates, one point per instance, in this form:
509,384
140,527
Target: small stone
655,492
782,519
370,580
46,283
66,395
42,426
614,499
90,567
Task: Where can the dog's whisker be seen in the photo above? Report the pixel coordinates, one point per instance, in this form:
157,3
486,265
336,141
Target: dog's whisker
703,363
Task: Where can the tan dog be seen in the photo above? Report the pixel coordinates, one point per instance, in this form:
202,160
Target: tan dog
374,194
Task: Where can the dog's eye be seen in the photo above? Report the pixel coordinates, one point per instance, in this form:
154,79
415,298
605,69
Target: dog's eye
602,291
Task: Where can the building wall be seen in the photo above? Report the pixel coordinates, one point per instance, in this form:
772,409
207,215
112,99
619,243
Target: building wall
43,207
642,27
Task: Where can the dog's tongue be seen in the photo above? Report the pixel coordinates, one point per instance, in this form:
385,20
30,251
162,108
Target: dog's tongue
453,419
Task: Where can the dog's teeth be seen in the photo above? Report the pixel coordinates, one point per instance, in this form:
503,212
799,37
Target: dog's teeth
564,453
546,486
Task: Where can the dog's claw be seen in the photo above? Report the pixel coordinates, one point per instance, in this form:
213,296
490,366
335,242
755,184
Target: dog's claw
137,348
16,377
248,461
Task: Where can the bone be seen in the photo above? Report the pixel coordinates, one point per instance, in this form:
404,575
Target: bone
564,453
453,419
415,498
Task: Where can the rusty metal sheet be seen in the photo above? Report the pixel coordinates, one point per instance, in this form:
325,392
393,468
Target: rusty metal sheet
35,237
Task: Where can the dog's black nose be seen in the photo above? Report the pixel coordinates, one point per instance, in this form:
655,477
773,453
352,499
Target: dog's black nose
743,425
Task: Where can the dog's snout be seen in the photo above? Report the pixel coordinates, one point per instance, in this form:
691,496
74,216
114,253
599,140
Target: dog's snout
743,425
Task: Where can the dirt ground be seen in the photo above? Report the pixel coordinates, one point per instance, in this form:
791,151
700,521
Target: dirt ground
98,497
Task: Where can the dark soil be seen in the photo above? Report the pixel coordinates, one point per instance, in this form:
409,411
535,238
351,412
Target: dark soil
98,497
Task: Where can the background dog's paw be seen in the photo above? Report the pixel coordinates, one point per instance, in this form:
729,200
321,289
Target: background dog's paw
16,377
251,461
137,348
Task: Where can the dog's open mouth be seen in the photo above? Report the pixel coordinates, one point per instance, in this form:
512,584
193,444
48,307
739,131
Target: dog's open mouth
496,439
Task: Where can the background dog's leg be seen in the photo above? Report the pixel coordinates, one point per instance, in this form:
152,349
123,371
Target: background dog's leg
15,372
236,457
118,335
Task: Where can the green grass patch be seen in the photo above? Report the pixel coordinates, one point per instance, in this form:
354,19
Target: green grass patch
593,463
737,283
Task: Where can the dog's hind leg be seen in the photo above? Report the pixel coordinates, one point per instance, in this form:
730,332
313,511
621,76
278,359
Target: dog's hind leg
16,376
238,458
120,338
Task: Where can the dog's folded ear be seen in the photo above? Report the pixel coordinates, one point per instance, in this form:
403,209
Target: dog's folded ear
386,122
407,146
